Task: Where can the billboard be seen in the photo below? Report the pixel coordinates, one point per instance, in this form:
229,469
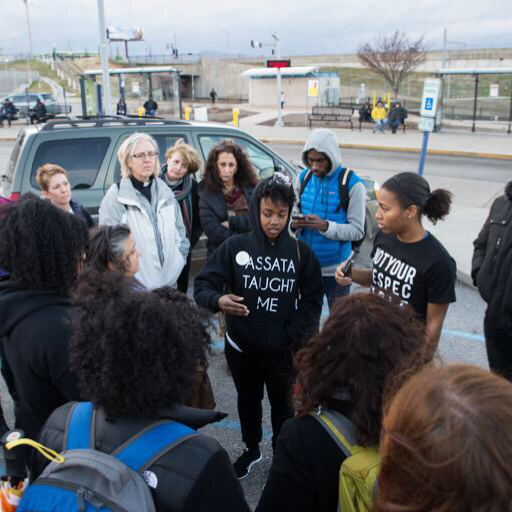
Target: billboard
125,34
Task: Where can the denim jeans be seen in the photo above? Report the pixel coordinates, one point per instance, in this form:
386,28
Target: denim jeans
333,290
380,124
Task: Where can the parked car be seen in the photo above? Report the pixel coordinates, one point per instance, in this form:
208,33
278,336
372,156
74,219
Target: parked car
87,149
53,107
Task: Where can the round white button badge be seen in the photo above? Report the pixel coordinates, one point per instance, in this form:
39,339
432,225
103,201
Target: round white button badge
242,258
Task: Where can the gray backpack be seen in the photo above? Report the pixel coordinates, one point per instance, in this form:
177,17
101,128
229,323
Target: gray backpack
89,480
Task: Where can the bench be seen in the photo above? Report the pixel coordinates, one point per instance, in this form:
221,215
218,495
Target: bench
372,124
331,115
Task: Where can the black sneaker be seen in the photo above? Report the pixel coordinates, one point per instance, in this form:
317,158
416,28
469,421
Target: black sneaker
246,461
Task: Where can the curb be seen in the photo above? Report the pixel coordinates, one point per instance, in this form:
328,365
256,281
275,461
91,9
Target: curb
7,139
395,149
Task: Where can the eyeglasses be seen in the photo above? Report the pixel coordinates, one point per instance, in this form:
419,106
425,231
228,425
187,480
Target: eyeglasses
143,156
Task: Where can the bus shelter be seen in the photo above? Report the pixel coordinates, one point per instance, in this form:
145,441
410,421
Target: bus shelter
482,97
160,82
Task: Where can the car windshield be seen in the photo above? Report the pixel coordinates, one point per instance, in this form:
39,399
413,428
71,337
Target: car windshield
48,97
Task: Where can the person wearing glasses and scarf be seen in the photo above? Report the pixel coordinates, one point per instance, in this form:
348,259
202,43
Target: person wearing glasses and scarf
143,202
182,163
274,302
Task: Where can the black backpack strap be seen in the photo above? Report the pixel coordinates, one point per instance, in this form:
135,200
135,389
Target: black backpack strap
303,184
344,189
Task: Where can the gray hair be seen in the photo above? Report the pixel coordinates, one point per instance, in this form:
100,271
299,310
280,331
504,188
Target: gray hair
106,247
127,150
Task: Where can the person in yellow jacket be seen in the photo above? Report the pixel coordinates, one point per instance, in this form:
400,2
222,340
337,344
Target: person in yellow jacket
380,116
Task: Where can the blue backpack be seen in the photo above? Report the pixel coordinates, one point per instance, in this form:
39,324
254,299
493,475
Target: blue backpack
92,481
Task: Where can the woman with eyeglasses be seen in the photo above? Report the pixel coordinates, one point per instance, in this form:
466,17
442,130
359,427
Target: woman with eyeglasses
225,193
143,202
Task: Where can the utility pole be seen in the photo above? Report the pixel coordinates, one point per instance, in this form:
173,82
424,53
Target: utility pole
104,57
29,42
444,48
277,51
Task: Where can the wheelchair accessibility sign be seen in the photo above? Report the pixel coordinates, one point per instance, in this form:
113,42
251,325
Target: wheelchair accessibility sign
431,92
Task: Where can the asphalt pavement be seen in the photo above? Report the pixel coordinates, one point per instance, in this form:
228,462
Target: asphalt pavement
480,165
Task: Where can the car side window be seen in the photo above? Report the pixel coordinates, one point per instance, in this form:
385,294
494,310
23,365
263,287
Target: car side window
263,162
164,141
81,158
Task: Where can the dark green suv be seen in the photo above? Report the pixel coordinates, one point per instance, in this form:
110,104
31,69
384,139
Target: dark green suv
87,149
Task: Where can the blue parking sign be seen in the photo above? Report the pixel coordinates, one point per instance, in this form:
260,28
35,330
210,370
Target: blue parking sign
429,103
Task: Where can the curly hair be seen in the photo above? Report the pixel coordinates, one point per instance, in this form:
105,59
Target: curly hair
364,342
278,188
41,246
245,175
446,444
134,352
190,157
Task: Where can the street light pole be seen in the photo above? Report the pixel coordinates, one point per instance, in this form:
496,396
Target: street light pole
29,42
104,57
279,121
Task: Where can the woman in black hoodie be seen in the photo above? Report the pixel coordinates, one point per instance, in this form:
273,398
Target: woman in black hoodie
42,248
275,301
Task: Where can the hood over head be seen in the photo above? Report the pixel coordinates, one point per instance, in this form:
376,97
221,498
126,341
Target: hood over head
508,190
17,303
324,141
254,206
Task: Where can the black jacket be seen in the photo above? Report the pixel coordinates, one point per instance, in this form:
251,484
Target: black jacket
80,211
213,212
270,277
305,469
35,328
398,114
196,476
491,267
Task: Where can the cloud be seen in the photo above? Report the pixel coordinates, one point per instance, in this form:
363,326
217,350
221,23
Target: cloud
304,26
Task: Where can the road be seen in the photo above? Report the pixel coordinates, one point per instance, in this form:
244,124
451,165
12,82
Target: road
462,338
371,161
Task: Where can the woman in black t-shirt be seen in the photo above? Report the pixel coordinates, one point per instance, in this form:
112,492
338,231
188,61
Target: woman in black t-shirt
409,264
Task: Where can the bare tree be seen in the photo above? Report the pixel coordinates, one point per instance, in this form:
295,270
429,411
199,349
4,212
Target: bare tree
393,57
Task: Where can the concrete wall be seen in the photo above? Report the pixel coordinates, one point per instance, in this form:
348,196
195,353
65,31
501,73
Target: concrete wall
263,92
224,76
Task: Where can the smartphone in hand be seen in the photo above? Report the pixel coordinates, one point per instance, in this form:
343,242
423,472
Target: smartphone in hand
347,269
298,216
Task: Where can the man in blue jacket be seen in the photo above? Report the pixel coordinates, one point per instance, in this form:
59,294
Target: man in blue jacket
325,223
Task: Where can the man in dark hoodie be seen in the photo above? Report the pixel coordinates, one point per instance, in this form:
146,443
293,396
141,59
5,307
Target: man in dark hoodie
41,247
274,303
491,271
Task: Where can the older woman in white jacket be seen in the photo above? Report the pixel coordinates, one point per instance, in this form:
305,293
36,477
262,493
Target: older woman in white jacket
147,205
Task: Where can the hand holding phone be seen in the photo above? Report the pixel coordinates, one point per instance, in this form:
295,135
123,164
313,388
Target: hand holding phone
347,268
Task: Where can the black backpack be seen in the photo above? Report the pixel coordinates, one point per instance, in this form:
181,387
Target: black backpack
344,193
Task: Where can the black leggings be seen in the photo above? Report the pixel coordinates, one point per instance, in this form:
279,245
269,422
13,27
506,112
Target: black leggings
250,374
498,342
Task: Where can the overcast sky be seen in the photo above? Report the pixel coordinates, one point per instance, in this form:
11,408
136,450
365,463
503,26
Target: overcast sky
304,26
